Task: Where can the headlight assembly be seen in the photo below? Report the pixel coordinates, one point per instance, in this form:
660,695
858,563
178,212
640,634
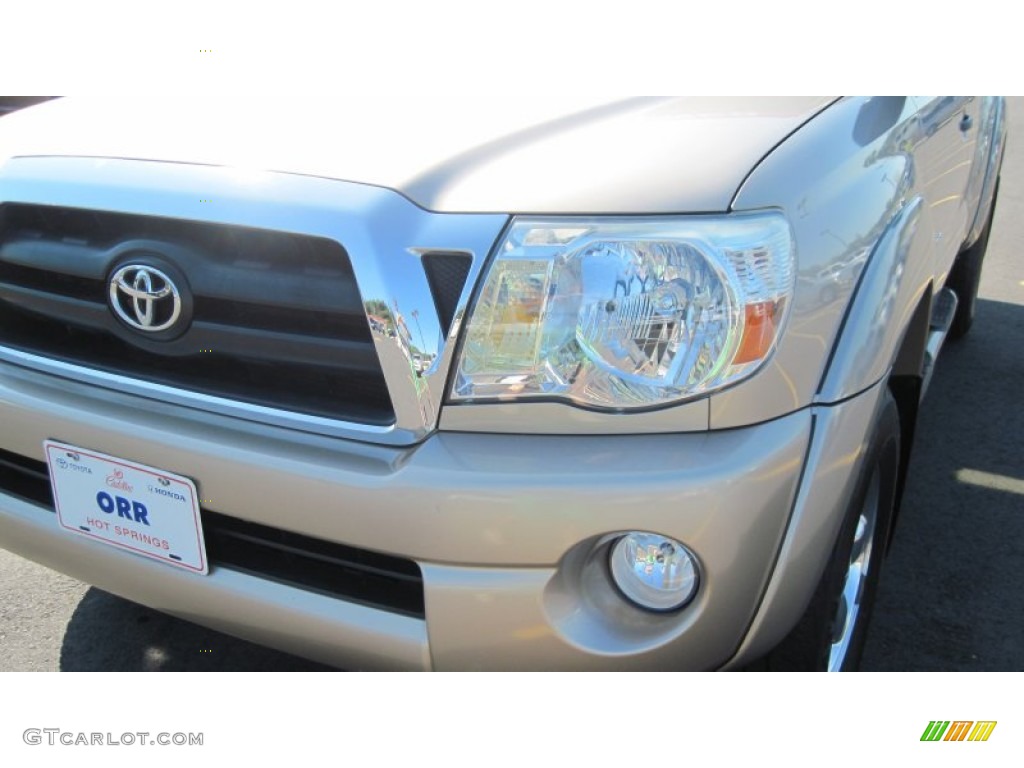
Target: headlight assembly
626,313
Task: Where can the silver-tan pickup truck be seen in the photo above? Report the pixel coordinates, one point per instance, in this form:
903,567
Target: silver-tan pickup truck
625,385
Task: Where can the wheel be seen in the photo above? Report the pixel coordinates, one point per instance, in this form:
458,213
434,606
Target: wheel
830,635
966,276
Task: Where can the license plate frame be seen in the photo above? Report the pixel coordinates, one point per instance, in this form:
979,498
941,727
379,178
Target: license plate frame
127,505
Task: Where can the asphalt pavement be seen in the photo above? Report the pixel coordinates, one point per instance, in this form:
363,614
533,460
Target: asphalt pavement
952,592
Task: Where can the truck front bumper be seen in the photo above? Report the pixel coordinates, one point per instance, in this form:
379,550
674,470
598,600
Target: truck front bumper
507,530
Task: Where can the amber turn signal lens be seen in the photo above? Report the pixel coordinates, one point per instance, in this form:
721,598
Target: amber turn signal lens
759,329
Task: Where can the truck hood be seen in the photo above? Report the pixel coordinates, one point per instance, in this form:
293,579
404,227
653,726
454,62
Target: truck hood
464,153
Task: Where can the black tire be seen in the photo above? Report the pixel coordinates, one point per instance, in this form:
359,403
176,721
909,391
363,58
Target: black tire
809,646
965,278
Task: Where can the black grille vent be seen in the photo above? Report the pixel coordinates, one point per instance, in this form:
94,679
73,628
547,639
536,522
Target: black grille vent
446,276
365,577
381,581
25,478
277,317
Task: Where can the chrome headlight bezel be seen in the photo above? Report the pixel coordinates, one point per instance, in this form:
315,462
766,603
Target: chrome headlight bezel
704,301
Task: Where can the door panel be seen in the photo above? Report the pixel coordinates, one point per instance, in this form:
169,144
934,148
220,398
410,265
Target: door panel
949,130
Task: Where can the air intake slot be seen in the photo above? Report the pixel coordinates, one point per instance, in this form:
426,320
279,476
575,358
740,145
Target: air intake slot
446,276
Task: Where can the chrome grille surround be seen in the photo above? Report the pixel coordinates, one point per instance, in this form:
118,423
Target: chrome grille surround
384,234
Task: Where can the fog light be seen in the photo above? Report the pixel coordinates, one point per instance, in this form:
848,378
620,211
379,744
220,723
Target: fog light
655,572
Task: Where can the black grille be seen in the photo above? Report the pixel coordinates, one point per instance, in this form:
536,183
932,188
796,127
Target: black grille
446,276
25,478
381,581
365,577
277,319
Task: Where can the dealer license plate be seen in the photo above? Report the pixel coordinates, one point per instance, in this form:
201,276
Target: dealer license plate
127,505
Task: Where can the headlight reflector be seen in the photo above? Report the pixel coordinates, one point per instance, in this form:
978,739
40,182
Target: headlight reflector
627,312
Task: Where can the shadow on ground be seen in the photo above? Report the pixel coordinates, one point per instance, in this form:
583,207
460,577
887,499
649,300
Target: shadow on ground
109,634
952,591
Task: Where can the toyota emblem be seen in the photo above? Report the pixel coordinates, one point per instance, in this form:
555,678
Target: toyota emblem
145,298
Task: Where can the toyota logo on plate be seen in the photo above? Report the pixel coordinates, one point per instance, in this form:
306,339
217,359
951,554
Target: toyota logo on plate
145,298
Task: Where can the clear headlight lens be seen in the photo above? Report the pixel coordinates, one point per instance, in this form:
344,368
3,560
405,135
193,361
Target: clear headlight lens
655,572
627,312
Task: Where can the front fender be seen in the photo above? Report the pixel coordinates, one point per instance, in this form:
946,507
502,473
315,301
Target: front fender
897,277
842,180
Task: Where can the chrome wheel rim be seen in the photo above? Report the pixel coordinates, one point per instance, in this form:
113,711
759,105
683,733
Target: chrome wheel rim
848,607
